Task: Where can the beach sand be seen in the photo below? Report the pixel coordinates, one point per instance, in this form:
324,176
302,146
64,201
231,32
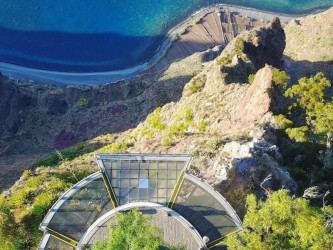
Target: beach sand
212,26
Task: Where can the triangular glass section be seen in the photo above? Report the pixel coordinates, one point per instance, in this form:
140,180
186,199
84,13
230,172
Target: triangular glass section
147,178
50,242
78,208
206,209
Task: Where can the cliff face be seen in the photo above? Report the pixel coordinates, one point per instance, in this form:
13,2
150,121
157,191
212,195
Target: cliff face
36,119
55,118
14,104
40,117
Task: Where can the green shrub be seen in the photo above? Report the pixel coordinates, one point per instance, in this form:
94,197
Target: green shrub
197,20
66,154
251,78
195,85
116,93
133,231
117,147
174,131
239,46
281,122
183,31
147,133
282,222
22,197
175,38
182,120
215,144
238,50
155,120
203,126
225,60
280,78
8,227
83,102
189,114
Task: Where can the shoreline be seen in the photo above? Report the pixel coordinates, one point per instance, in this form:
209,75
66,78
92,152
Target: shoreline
17,72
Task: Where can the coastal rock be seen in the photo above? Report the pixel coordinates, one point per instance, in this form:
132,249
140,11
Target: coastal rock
265,45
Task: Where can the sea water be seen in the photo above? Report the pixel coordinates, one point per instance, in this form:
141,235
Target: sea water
103,35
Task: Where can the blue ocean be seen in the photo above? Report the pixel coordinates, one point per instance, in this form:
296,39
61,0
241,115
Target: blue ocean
103,35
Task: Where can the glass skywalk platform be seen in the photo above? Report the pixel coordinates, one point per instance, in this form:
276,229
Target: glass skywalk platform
129,178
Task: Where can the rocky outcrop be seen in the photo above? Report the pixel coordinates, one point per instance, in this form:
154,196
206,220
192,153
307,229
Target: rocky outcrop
249,52
265,45
246,158
237,71
255,106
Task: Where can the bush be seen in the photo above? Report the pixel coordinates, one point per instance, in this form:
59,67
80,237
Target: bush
251,78
203,126
183,31
280,78
66,154
282,222
83,102
239,46
8,227
155,120
281,122
225,60
175,38
117,147
197,20
195,85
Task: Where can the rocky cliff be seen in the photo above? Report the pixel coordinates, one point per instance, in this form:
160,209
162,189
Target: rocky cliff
205,108
226,126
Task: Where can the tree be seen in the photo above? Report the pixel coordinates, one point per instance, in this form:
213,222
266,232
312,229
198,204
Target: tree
133,232
311,96
282,222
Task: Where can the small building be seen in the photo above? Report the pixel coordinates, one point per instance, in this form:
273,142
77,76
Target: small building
186,209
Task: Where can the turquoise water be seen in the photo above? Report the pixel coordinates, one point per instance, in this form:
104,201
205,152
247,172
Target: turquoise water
102,35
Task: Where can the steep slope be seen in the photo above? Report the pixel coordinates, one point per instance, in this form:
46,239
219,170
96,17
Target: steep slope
310,45
37,119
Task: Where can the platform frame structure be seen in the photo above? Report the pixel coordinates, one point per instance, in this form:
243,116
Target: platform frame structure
126,179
